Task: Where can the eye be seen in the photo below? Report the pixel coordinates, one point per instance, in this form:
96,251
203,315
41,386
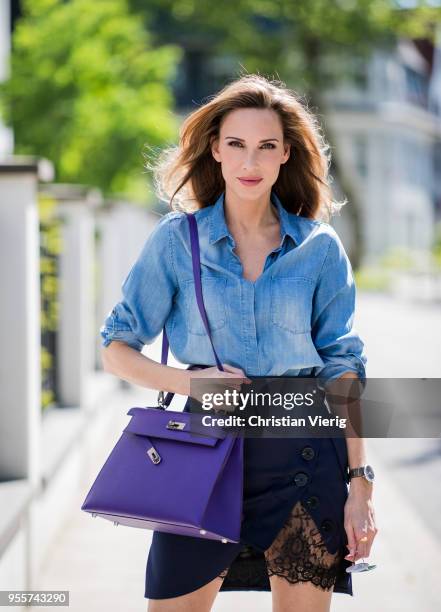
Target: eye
236,142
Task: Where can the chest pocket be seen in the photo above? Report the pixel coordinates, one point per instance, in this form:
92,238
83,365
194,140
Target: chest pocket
213,292
291,303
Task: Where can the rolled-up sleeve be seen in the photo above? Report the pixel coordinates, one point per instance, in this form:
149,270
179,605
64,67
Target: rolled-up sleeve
333,333
147,292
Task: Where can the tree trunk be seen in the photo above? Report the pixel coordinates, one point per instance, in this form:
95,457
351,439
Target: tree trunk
312,55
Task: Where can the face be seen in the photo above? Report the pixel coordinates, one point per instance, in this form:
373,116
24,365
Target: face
250,146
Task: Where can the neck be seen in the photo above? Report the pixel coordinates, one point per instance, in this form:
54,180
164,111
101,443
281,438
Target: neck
249,216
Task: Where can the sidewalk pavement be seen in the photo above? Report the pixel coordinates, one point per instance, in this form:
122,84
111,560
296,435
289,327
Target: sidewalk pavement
103,566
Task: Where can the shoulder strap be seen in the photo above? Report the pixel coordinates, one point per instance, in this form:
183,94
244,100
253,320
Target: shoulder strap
195,254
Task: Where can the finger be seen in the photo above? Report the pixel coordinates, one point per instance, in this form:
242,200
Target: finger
362,547
357,555
235,381
236,371
228,374
368,546
233,368
232,379
351,545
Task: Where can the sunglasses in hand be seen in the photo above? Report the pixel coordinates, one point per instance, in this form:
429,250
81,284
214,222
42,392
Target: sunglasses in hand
360,567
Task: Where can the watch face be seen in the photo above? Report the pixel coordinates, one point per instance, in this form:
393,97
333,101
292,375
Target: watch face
369,473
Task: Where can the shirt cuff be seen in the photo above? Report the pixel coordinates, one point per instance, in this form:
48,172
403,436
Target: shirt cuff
336,367
109,334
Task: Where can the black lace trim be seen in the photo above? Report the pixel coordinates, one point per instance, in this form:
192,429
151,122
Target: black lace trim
299,553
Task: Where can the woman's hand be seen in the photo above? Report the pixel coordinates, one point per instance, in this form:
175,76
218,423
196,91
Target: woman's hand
359,521
232,379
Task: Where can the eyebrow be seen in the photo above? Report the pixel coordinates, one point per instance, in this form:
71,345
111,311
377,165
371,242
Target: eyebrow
242,140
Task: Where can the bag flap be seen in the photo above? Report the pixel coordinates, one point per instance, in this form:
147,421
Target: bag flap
153,422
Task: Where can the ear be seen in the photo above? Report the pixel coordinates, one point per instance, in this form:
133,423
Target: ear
215,148
287,153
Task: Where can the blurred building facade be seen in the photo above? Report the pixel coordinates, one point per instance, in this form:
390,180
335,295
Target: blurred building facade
388,126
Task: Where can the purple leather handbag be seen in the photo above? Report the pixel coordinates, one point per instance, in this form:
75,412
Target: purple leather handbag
168,471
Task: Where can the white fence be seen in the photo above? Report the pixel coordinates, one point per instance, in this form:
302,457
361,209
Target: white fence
43,453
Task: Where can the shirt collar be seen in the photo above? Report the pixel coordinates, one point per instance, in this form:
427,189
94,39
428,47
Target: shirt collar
219,228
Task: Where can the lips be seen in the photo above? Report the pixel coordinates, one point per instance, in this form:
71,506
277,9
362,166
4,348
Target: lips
249,181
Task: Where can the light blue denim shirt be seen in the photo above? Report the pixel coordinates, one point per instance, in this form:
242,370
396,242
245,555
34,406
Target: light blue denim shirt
295,319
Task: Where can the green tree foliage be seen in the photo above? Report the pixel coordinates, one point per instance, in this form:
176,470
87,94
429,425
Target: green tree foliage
300,41
88,91
50,249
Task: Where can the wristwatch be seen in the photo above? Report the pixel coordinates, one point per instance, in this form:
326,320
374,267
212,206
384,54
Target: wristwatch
367,471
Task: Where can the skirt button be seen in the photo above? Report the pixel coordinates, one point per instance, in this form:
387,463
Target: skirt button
308,453
312,502
301,479
327,525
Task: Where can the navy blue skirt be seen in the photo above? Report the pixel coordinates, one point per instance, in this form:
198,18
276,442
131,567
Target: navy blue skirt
278,473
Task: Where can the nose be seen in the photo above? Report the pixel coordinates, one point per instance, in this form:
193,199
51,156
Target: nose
249,162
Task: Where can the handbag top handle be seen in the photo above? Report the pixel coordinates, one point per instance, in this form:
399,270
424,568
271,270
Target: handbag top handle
195,255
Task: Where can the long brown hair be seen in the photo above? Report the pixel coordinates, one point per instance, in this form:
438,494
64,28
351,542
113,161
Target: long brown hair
189,178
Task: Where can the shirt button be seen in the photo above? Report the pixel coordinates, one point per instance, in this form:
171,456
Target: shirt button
301,479
312,502
308,453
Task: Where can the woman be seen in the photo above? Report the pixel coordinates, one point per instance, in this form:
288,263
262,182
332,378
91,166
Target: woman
280,297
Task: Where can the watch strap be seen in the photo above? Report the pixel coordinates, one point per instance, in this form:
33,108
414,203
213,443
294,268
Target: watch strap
358,471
